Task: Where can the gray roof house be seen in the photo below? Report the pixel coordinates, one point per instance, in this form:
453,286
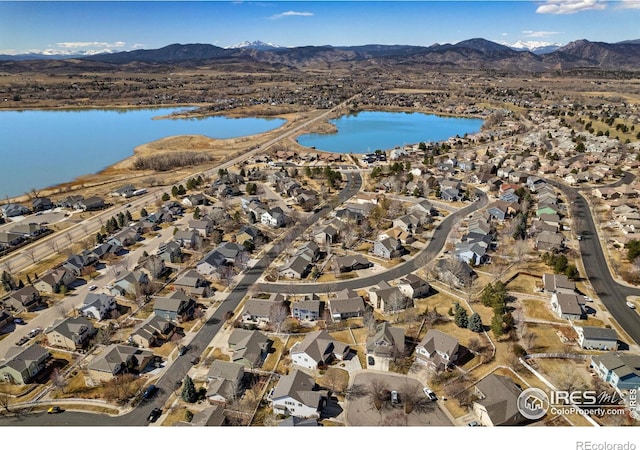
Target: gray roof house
597,338
568,306
413,286
27,299
194,284
347,304
224,381
225,253
250,347
152,331
188,238
257,311
387,248
558,283
498,401
437,349
388,299
177,307
317,349
22,365
117,359
387,341
97,306
306,310
620,370
129,283
349,263
54,279
297,394
71,333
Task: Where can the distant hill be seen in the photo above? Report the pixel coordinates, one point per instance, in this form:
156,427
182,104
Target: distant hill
469,54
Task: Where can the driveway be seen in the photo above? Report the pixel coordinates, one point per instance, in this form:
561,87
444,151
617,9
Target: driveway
360,410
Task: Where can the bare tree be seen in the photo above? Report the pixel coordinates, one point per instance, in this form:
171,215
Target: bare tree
58,380
377,391
369,321
278,314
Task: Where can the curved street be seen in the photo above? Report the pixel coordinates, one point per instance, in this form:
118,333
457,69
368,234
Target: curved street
613,294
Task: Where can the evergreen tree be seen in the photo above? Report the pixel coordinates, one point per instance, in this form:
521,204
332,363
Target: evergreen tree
196,213
189,393
496,324
99,238
174,191
144,213
475,323
165,197
128,216
29,279
460,316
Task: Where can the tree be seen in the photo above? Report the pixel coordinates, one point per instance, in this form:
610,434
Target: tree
58,380
460,316
475,323
144,213
278,314
196,213
189,393
128,216
165,197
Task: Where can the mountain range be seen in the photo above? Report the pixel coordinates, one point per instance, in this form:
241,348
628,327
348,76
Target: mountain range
470,54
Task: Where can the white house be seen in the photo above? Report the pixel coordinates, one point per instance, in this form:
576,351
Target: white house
298,395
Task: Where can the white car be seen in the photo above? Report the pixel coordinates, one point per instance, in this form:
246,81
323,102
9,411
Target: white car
93,287
631,305
429,393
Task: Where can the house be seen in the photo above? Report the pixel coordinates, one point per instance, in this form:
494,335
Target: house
225,254
13,210
498,401
224,381
306,310
188,238
192,283
472,251
548,241
247,234
347,304
203,226
171,252
152,331
29,230
408,223
52,281
125,237
597,338
155,266
423,209
388,341
293,421
26,299
97,306
620,370
274,218
124,191
258,311
8,239
195,200
178,307
22,365
101,251
388,299
297,394
318,349
5,318
568,306
554,283
250,347
90,204
80,263
326,235
71,333
41,204
130,283
437,349
118,359
349,263
412,286
296,267
387,248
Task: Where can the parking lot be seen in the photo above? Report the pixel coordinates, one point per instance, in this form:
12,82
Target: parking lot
361,411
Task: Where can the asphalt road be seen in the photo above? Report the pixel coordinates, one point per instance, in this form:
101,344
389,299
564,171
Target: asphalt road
422,258
612,294
179,367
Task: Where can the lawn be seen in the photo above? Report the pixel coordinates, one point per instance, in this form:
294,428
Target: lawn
524,283
274,357
539,309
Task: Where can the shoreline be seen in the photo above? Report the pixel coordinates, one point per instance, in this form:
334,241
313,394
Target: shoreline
121,171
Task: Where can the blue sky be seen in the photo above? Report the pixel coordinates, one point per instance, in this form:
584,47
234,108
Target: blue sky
58,27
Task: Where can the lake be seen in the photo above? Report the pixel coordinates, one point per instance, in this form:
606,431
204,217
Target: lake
45,148
369,131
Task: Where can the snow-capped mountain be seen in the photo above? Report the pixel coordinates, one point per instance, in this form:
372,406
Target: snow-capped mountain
257,45
536,47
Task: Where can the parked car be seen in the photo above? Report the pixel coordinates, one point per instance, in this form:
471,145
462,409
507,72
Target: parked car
154,415
395,398
429,393
54,410
631,305
149,391
93,287
195,360
182,350
371,361
22,340
19,321
475,423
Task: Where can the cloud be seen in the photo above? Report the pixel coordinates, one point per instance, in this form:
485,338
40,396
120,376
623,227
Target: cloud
539,34
629,4
81,44
291,14
570,6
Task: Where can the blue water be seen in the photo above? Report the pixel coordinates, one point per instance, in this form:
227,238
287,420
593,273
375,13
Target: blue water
369,131
45,148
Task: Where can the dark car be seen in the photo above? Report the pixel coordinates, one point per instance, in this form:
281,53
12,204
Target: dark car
182,350
154,415
371,361
195,360
149,391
